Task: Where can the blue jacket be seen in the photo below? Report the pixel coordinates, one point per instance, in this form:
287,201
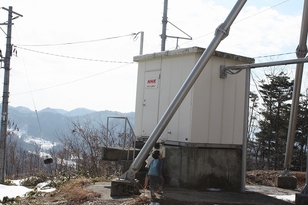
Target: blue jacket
156,167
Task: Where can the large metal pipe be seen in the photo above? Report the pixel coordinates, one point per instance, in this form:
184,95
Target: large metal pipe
267,64
221,33
301,52
245,131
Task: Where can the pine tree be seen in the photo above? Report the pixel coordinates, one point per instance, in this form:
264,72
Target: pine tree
272,136
253,147
300,140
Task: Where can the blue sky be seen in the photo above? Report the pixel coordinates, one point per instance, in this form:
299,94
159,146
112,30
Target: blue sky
287,7
74,54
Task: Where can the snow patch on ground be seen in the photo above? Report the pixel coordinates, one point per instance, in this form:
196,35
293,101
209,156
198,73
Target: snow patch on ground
14,191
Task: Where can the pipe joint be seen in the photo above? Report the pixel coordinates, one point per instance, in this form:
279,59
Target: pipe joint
220,29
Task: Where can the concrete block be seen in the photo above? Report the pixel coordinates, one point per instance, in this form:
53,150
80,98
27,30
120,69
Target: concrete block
194,168
124,188
117,153
286,182
301,199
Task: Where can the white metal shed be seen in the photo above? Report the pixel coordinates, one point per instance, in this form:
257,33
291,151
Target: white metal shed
212,113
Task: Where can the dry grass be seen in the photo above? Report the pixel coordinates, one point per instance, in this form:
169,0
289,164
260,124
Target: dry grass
138,200
267,177
75,192
71,192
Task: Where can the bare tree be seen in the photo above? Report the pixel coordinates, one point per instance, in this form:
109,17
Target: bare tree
83,145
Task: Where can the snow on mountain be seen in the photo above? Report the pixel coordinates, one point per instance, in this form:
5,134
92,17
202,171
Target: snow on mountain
34,128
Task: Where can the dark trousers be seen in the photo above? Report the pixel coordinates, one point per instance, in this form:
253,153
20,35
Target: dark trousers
156,181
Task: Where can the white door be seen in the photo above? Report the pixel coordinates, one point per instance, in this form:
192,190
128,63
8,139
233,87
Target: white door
150,102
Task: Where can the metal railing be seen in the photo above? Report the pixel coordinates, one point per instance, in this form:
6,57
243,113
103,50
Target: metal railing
131,132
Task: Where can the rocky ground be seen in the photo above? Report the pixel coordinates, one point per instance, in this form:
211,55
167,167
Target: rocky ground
86,196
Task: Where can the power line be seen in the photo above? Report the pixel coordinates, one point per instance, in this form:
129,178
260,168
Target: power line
71,57
239,20
274,55
77,58
80,79
79,42
33,101
261,11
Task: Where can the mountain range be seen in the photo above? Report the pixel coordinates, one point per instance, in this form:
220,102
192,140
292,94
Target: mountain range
40,127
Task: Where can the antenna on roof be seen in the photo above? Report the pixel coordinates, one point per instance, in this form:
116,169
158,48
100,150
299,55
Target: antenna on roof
164,35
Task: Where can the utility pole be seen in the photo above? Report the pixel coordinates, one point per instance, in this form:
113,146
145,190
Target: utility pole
5,97
164,21
141,42
164,35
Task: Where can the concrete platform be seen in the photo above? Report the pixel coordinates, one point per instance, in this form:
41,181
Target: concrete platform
301,199
256,195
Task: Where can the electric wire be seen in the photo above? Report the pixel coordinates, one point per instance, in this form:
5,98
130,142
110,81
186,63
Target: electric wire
79,42
77,58
27,76
233,72
236,71
261,12
71,57
238,21
275,55
2,30
80,79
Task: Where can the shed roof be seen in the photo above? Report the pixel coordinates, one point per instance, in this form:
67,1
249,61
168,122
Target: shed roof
192,50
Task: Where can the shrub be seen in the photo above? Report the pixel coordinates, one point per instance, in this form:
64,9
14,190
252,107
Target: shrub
33,181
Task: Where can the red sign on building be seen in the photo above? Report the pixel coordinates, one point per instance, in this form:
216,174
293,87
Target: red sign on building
152,83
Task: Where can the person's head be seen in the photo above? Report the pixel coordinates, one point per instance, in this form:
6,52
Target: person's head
156,146
156,154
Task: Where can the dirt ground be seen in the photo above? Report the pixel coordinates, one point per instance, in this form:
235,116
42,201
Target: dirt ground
262,184
267,177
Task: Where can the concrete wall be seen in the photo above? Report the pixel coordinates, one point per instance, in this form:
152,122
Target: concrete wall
203,168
